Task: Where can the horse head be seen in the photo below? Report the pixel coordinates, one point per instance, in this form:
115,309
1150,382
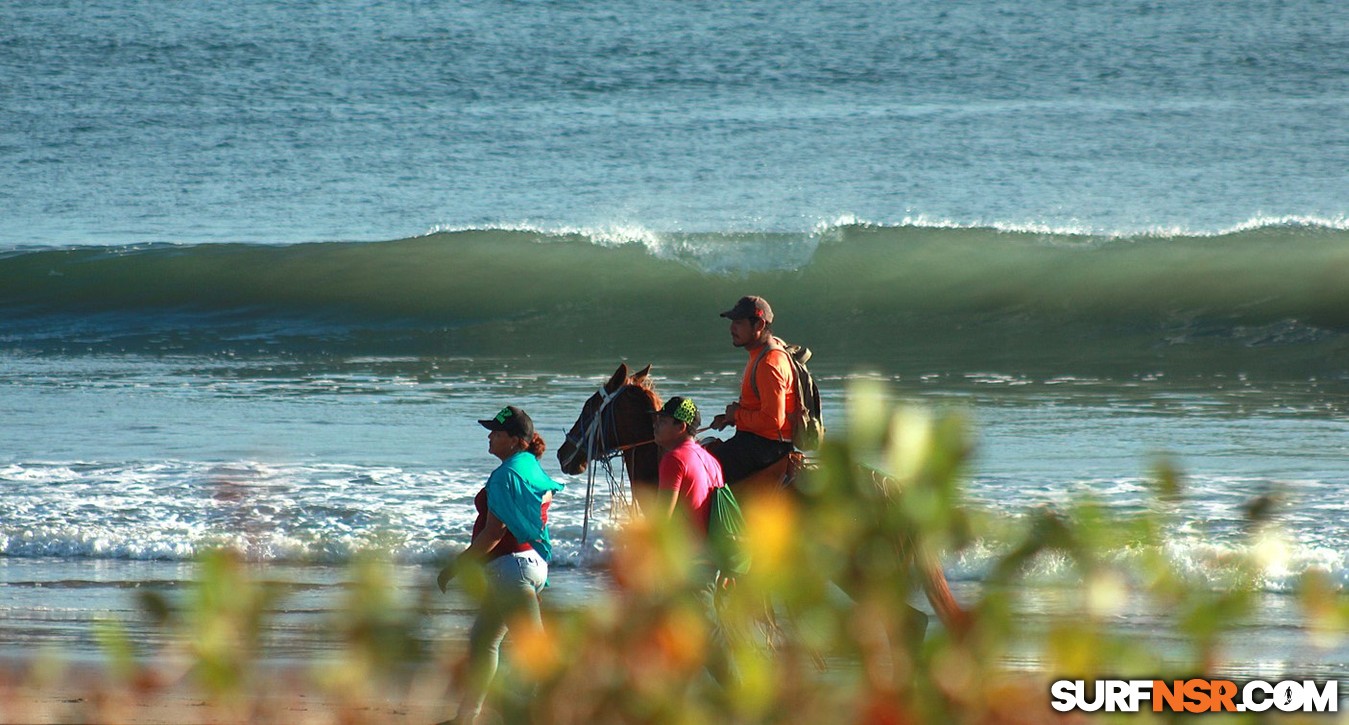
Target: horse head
614,418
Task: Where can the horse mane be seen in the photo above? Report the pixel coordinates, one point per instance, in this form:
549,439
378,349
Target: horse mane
648,388
643,458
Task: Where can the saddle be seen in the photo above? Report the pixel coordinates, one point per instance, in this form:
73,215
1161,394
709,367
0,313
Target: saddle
779,475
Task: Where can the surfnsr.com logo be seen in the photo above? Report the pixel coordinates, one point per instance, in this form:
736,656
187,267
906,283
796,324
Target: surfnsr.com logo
1194,695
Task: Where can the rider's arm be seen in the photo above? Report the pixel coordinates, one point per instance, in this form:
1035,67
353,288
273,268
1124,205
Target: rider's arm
671,482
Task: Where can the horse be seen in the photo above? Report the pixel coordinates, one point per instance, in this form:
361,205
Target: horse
617,420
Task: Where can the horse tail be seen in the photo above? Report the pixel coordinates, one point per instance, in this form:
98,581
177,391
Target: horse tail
956,620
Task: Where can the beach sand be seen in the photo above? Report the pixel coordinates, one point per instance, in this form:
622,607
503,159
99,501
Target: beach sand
163,690
89,695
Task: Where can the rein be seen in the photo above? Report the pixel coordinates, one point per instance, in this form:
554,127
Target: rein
630,446
591,441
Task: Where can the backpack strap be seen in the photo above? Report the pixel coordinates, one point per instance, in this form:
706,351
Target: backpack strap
773,344
797,379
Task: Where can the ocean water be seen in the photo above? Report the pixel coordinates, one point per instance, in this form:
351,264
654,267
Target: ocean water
126,121
263,264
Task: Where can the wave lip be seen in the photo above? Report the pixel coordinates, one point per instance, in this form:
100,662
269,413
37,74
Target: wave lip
320,275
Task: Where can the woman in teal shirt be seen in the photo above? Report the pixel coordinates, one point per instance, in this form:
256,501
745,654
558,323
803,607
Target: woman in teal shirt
510,539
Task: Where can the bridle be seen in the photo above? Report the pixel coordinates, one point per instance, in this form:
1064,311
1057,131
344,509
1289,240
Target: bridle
591,440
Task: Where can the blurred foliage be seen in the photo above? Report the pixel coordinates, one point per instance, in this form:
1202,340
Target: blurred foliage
821,628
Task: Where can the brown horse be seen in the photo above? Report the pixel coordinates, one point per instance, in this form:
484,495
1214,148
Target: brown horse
617,421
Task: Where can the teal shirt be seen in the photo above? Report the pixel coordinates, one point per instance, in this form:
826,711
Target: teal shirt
515,493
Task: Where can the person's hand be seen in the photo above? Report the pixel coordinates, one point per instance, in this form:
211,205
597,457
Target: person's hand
446,574
719,422
731,410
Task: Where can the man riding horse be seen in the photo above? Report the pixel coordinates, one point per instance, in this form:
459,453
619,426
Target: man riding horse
762,415
618,421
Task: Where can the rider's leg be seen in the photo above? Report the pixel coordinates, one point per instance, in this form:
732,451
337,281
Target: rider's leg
746,454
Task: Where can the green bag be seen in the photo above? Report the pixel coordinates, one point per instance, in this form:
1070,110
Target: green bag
726,534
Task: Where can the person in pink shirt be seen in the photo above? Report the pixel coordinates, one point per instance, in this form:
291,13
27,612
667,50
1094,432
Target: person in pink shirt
688,473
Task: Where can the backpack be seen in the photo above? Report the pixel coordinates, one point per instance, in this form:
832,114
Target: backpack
726,534
807,423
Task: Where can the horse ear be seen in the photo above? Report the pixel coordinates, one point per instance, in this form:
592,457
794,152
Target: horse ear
640,375
618,380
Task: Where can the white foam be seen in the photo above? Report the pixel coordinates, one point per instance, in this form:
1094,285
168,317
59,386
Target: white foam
608,235
1339,223
174,510
1206,562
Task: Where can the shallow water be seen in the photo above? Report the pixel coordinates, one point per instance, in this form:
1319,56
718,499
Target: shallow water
54,606
125,468
157,458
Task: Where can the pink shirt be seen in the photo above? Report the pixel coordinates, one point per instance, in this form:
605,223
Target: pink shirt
690,472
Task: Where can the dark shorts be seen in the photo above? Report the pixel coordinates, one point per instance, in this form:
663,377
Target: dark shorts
746,454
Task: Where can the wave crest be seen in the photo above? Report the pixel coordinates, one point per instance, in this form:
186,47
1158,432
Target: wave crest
955,295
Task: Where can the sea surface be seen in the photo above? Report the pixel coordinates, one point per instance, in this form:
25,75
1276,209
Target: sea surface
263,264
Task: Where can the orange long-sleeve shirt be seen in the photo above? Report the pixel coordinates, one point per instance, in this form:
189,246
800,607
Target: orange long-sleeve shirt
766,414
